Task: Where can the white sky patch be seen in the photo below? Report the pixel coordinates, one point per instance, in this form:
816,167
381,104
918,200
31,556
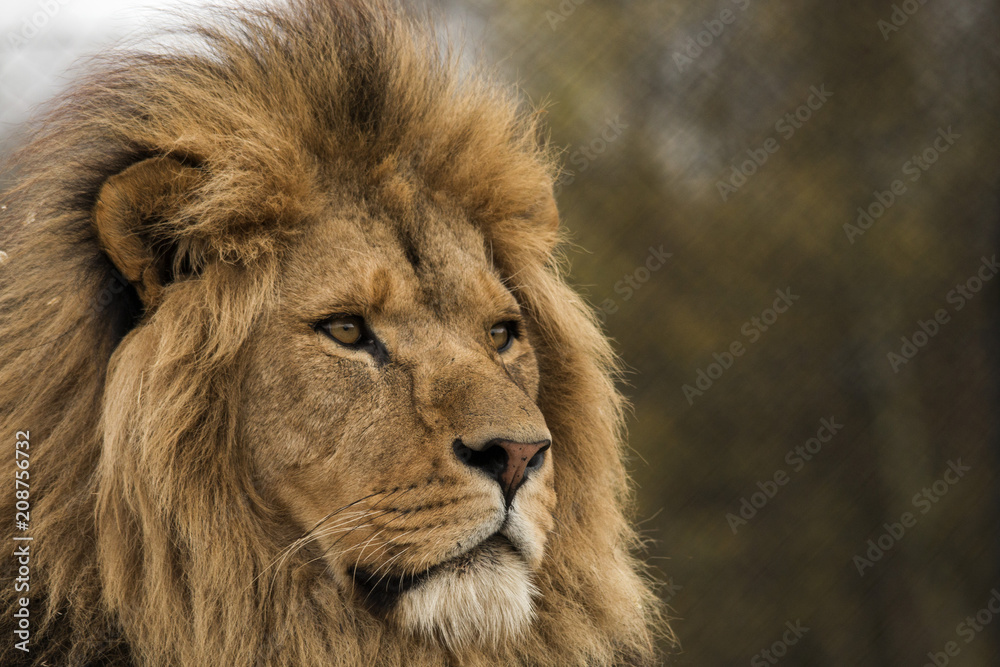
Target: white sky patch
41,41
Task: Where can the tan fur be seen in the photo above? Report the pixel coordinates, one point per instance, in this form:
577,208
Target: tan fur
208,471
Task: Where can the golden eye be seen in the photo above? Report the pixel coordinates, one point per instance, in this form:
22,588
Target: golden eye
345,329
502,335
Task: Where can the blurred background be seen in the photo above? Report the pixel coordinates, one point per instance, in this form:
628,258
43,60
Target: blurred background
787,214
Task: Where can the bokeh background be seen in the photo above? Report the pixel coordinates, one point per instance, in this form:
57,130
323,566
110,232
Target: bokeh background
656,103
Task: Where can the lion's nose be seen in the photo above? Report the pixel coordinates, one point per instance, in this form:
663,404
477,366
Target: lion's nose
509,463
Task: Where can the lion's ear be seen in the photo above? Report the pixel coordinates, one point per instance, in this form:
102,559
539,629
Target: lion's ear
131,217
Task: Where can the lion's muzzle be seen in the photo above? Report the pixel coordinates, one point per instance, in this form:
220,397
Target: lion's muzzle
509,463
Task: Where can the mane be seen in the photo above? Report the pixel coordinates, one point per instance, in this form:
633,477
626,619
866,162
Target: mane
145,518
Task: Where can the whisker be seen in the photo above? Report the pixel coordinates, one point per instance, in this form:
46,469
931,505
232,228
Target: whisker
386,542
343,525
387,563
390,543
289,552
301,540
348,532
306,539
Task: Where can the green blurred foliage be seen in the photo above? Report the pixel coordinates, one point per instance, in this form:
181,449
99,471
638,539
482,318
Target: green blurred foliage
682,126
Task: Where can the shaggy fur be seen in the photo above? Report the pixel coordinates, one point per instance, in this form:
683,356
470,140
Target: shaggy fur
176,226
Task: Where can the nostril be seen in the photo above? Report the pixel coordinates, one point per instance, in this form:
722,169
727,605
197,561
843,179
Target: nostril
492,460
463,453
538,459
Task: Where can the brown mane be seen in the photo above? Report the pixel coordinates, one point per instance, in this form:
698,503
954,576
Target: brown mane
149,532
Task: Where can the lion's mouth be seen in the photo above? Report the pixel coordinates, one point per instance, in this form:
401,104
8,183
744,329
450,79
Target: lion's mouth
382,590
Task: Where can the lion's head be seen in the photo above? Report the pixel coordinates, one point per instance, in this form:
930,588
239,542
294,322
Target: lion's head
390,400
304,384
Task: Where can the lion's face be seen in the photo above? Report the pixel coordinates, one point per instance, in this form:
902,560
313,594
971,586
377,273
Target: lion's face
390,408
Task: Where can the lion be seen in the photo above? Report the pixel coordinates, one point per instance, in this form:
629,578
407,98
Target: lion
293,372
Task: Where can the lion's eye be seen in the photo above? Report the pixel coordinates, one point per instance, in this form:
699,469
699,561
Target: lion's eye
345,329
502,335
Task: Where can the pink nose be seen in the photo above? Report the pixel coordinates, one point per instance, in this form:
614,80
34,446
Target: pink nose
509,463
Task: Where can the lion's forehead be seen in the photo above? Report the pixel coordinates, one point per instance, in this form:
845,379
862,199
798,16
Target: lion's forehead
428,260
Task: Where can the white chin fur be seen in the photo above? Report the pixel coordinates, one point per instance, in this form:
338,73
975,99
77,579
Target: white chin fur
487,602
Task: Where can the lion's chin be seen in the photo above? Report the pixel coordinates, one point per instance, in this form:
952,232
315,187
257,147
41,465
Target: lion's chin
482,597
